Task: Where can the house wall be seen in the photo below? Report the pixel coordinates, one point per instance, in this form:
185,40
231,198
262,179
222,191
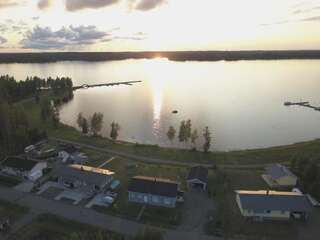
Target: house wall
267,215
287,181
152,199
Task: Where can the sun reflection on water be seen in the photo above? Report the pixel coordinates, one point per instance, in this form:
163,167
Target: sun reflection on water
156,69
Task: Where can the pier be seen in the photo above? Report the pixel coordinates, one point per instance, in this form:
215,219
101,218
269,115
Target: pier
86,86
302,104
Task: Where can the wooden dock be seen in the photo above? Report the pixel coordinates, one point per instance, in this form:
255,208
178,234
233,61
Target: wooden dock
86,86
302,104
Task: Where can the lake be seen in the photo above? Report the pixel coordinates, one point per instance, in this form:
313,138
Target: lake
241,102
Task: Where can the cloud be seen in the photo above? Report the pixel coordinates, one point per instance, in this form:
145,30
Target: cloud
306,10
44,4
3,40
145,5
135,36
66,37
75,5
310,19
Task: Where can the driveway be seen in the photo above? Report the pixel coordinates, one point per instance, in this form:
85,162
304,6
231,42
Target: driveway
195,210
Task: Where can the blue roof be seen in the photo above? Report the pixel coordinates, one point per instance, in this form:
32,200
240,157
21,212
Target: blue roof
261,201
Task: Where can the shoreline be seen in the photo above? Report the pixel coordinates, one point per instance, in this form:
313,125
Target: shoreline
52,57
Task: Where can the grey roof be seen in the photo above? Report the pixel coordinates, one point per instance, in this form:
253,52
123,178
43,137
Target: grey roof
87,174
261,201
154,186
277,171
198,172
19,163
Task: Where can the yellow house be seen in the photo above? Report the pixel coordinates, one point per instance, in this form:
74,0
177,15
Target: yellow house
278,175
273,205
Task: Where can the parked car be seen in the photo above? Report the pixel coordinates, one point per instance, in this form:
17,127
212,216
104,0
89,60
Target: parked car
111,194
108,199
180,199
29,148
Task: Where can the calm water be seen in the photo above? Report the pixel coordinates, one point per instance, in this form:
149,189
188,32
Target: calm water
241,102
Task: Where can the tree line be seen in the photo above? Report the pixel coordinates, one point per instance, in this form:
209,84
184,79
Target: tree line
186,133
93,125
16,130
12,90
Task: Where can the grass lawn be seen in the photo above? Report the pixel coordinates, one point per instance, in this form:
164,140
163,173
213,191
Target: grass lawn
50,227
11,211
8,181
158,216
228,217
276,154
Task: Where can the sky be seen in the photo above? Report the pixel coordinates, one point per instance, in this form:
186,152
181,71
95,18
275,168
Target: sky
164,25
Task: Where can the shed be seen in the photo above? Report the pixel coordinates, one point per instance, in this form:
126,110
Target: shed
198,177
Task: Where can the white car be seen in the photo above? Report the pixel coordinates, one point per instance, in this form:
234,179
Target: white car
108,199
29,148
111,194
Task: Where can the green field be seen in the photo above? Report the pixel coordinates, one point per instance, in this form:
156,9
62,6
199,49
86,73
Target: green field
50,227
11,211
8,181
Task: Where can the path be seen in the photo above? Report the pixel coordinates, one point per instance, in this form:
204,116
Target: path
38,204
106,162
155,160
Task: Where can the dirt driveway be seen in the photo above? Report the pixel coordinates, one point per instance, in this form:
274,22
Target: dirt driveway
195,210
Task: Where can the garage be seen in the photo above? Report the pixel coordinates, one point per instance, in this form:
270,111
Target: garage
198,178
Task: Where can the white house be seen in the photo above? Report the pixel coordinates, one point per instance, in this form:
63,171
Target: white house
273,205
277,175
21,167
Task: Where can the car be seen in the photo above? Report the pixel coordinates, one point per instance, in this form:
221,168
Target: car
111,194
180,199
29,148
108,199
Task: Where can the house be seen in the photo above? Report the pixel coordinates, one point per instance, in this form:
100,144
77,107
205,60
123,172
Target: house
153,191
273,205
278,175
23,167
198,177
84,177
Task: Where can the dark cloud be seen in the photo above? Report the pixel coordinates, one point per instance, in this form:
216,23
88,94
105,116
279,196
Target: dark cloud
145,5
75,5
8,3
44,4
3,40
66,37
